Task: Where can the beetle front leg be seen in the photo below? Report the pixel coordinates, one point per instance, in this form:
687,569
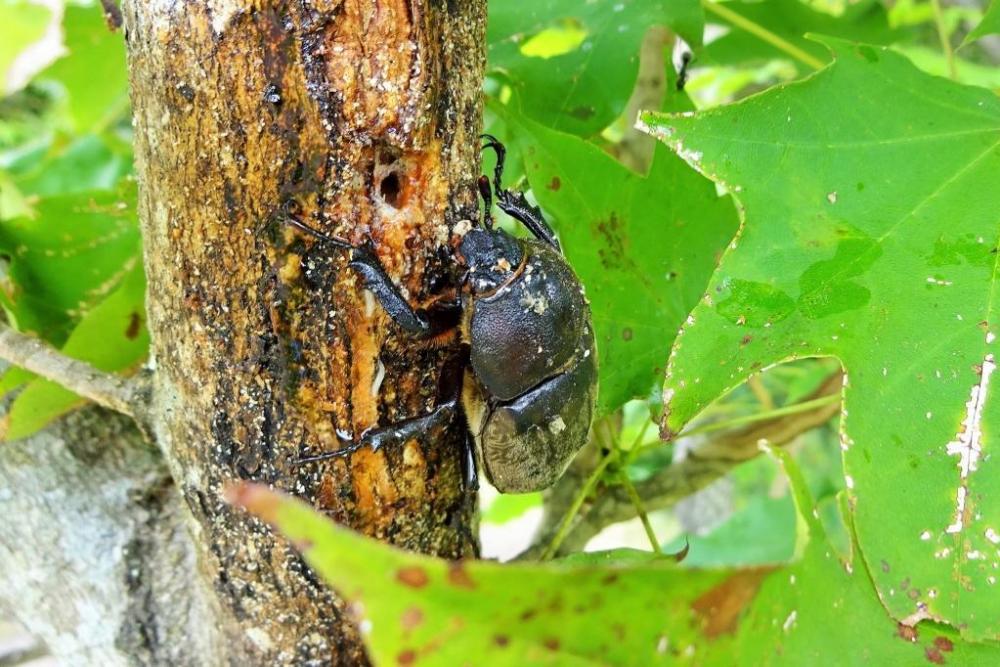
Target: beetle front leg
363,259
369,267
514,203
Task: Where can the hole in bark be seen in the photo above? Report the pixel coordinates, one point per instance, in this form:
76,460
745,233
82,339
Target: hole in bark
389,188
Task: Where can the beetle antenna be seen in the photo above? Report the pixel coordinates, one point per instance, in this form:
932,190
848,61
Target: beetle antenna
484,191
335,241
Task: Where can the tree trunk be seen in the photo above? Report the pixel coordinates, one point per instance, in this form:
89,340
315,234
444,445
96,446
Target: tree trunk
360,118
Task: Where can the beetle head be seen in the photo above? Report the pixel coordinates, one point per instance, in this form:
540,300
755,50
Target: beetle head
492,257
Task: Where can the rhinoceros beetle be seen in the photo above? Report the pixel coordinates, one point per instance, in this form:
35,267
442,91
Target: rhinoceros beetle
526,378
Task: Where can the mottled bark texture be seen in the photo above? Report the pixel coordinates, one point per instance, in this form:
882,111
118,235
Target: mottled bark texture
95,555
361,118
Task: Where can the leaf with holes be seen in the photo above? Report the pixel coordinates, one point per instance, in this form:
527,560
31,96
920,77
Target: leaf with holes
414,609
574,63
644,246
872,216
824,605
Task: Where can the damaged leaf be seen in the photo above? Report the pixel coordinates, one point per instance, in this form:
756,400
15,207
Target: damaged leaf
824,610
869,236
415,609
644,247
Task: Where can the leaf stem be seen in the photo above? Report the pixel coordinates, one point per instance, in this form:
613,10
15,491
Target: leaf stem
763,33
949,53
760,392
588,487
574,509
640,510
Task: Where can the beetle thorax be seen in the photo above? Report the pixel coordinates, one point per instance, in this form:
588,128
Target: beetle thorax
492,257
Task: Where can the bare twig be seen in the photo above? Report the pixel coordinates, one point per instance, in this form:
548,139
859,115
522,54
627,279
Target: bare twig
704,464
127,395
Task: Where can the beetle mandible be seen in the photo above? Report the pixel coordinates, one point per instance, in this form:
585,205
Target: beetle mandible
526,378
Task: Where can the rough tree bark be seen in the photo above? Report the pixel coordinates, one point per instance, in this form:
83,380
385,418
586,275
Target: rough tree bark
361,118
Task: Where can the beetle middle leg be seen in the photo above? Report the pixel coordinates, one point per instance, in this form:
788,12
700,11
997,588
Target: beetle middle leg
514,203
398,433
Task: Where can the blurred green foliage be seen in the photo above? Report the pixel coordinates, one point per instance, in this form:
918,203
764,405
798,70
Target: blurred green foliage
69,234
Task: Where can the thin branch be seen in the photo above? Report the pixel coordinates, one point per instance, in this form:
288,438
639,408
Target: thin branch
768,416
704,464
762,33
760,392
574,509
127,395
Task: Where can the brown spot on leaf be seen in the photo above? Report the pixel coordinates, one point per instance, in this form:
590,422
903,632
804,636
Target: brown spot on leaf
413,576
933,654
907,632
458,576
555,184
720,608
885,566
407,657
501,640
612,243
551,643
746,340
610,579
411,618
528,614
582,112
134,323
627,334
944,644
